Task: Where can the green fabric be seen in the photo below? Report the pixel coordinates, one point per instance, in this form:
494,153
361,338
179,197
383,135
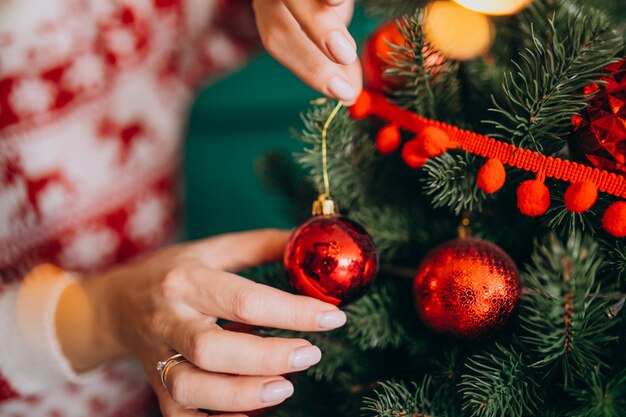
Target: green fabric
233,122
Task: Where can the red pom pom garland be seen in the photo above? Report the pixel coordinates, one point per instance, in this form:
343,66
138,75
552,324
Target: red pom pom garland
411,154
491,176
614,219
388,139
534,197
433,142
581,196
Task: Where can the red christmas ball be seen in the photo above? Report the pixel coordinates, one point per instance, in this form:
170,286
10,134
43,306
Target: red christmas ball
376,54
466,288
376,57
331,258
600,129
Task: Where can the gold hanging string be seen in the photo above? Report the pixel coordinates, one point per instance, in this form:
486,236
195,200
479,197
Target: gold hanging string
324,151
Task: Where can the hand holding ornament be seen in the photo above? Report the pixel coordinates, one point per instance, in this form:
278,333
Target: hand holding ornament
170,303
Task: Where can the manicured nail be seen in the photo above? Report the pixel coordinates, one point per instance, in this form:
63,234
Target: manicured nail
341,89
305,357
276,391
331,319
341,48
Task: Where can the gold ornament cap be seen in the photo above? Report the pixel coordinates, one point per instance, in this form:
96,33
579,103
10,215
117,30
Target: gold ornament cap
324,206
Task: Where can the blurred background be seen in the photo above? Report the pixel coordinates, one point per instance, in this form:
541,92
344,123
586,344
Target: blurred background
233,123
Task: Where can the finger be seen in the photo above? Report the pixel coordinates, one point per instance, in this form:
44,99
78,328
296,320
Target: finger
169,408
333,2
323,25
237,251
285,41
215,349
231,297
190,386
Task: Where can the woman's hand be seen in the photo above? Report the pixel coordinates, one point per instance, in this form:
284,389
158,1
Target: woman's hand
310,38
170,302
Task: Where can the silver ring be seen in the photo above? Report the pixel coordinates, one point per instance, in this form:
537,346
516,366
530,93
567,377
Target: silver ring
164,367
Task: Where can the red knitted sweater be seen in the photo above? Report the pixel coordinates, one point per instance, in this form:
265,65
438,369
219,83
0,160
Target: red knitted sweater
93,100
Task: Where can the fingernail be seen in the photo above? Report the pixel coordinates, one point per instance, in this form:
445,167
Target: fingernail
341,89
341,48
305,357
331,319
276,391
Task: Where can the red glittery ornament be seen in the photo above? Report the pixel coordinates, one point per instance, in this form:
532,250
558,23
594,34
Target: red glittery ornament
466,288
331,258
600,129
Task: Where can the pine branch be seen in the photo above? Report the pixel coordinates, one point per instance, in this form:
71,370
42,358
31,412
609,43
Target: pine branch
426,81
337,364
545,87
602,396
394,399
350,155
373,321
388,9
563,312
280,174
498,385
616,258
451,182
388,226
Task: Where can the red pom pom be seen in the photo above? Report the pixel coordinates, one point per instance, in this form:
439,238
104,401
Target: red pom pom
614,219
433,141
411,154
363,105
581,196
388,139
533,198
491,176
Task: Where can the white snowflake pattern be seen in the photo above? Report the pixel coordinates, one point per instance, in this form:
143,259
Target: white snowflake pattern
121,42
53,200
87,72
90,248
31,96
147,220
221,50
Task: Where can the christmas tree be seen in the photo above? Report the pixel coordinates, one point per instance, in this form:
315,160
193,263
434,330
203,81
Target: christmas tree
517,138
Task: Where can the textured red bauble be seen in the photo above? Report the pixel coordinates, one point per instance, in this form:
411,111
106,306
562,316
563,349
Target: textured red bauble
388,139
376,55
331,258
466,288
533,198
614,219
491,176
581,196
600,129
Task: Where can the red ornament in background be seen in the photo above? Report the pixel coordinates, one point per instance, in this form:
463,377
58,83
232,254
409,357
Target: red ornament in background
331,258
600,129
376,54
376,57
466,288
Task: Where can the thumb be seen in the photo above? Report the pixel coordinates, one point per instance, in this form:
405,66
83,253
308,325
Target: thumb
236,251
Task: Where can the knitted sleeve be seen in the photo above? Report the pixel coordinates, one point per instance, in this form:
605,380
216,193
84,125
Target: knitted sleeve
30,355
224,41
